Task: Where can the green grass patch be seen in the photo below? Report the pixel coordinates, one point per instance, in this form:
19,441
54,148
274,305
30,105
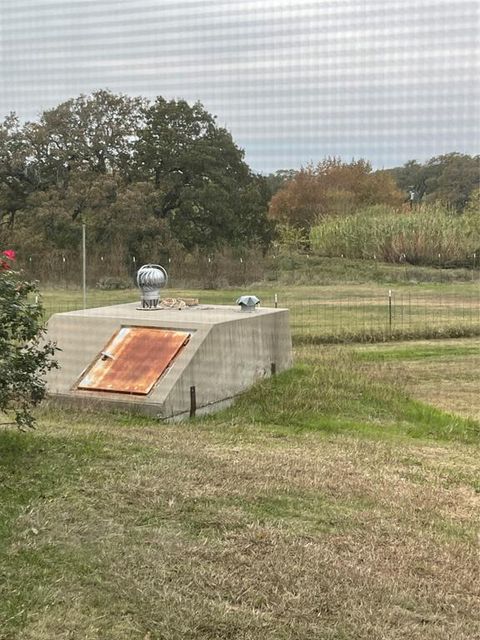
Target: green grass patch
301,269
416,352
333,396
308,513
338,312
53,463
35,469
337,300
376,335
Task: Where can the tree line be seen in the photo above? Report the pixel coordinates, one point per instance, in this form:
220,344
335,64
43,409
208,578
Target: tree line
140,174
335,188
149,178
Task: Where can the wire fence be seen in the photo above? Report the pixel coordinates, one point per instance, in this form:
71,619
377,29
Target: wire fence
389,316
222,270
330,314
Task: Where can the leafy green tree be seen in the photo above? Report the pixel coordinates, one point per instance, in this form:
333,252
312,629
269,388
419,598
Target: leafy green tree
204,189
24,357
65,168
449,178
452,178
252,208
411,176
119,218
17,181
89,134
139,174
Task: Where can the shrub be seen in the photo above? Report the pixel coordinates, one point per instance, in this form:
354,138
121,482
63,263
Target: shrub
331,188
24,356
290,240
110,283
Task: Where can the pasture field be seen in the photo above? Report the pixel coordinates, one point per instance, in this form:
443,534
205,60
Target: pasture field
338,312
339,500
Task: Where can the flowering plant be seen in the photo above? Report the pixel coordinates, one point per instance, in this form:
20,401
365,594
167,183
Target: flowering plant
25,356
8,256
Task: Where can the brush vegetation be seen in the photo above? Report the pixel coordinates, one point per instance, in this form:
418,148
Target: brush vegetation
428,235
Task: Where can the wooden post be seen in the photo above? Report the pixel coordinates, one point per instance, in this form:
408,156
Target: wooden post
193,402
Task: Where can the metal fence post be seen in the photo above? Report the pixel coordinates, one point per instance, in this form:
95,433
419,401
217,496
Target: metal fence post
84,266
390,310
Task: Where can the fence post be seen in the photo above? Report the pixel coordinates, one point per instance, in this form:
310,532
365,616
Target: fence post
390,310
84,267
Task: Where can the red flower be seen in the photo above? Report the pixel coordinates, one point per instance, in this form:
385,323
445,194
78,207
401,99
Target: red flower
10,255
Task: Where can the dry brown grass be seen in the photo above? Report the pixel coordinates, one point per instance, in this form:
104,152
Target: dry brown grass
240,528
447,380
443,391
233,532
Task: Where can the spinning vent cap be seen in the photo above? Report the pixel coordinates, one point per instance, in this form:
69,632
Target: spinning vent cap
150,279
248,303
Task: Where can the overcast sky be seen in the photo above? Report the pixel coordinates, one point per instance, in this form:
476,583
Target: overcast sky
293,80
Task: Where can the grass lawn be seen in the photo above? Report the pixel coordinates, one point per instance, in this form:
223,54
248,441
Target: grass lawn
328,503
443,373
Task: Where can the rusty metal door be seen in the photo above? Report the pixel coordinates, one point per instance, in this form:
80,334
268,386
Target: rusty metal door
133,360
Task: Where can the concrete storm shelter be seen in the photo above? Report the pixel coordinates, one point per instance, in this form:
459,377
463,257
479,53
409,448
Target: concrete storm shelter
165,362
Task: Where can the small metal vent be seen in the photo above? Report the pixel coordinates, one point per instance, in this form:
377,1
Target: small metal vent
248,303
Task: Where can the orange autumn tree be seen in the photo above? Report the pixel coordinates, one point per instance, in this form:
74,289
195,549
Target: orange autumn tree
332,188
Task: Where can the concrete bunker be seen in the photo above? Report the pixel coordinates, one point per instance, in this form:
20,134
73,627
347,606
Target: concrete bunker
149,361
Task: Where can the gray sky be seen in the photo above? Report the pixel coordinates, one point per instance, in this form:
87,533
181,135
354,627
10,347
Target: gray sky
293,80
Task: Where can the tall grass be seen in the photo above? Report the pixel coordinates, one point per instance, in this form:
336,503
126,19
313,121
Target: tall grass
428,235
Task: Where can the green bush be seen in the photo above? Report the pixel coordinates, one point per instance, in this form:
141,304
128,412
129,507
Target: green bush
24,356
111,283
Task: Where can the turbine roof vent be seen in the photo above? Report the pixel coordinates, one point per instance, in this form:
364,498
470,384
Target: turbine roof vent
150,279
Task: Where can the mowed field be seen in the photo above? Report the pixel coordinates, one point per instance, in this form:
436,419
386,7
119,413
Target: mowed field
443,373
339,500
